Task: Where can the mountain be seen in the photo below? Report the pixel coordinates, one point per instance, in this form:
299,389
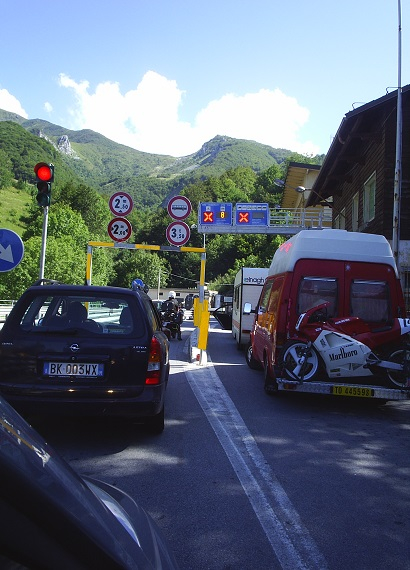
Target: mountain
111,167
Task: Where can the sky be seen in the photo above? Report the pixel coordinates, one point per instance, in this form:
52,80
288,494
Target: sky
166,76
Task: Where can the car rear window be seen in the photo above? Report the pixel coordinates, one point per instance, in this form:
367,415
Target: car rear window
91,314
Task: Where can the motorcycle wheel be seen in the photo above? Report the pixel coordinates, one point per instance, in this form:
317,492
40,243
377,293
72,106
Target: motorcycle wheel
291,364
401,355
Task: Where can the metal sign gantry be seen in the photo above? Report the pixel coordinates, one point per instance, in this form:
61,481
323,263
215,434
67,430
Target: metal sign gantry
259,218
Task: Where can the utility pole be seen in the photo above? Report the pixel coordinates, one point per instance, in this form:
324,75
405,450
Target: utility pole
398,169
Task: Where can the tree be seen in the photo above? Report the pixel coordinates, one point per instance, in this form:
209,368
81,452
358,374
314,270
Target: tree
6,170
142,264
65,261
62,221
90,204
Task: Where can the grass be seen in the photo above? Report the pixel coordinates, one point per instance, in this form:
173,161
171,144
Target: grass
14,204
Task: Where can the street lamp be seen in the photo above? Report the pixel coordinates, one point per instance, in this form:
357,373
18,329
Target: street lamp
302,189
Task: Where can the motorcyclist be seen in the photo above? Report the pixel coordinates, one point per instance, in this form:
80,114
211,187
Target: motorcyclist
171,308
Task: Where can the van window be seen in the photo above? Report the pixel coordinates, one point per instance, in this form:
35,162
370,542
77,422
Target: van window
275,296
316,290
370,300
263,305
236,297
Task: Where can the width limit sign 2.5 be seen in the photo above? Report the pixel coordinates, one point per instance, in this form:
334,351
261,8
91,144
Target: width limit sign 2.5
119,229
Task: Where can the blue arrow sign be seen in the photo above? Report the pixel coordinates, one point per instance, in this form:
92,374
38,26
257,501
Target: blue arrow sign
11,250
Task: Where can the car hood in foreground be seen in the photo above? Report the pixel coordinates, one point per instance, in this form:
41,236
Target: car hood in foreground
53,518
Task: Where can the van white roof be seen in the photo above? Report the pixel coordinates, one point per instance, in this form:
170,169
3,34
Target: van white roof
332,244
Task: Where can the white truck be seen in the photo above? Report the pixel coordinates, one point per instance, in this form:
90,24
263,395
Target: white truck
247,289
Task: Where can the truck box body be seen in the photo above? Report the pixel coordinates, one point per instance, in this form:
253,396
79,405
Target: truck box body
247,288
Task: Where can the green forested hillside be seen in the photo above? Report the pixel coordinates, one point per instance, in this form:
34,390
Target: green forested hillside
105,165
89,168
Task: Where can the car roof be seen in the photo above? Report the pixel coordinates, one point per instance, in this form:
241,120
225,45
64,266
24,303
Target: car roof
87,289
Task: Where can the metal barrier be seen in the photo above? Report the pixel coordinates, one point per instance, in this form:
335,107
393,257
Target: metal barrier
5,307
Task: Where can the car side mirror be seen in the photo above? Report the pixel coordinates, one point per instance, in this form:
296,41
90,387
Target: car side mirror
247,309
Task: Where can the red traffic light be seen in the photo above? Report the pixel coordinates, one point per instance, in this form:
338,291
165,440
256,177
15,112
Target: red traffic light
44,172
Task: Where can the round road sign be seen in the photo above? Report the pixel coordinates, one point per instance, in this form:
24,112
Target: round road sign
178,233
121,204
11,250
179,207
119,229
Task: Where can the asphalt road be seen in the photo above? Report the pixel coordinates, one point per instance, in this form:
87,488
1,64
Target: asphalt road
242,480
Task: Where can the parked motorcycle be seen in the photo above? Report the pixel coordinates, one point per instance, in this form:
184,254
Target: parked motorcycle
346,347
171,320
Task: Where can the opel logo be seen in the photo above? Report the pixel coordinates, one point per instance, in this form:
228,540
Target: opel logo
74,347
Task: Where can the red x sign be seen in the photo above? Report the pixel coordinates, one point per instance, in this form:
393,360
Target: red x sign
208,217
243,218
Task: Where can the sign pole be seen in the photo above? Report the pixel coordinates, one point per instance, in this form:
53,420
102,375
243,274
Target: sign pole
43,242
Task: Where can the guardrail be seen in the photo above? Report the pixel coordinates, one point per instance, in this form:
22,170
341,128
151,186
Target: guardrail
5,307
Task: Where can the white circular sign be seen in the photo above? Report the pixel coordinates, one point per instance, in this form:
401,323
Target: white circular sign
121,204
178,233
179,207
119,229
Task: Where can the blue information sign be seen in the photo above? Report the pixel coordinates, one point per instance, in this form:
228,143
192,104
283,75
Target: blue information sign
11,250
252,214
215,213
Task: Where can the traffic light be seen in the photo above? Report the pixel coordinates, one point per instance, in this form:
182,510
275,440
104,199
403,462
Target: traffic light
45,176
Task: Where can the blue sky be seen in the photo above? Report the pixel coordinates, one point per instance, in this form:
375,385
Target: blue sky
165,76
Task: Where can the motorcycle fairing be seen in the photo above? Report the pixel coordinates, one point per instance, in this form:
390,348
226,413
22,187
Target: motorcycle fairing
342,355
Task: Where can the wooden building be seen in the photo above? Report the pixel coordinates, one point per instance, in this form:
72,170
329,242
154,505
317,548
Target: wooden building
358,172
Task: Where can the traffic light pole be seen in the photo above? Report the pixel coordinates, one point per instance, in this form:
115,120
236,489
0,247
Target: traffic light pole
43,242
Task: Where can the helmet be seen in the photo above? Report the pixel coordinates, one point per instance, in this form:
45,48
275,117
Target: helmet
172,295
138,284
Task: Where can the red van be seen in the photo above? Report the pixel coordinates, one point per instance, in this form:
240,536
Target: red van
354,272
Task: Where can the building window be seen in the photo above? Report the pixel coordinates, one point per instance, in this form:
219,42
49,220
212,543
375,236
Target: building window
355,212
369,198
340,220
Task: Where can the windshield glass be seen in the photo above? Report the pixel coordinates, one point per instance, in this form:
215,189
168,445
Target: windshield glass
99,315
314,291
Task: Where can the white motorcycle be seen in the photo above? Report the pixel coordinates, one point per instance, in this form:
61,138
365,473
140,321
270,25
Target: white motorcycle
346,347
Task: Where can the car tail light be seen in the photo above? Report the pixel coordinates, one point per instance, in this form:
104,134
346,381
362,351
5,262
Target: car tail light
154,363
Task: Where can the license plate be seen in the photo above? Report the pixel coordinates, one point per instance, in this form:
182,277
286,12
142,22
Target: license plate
361,392
79,369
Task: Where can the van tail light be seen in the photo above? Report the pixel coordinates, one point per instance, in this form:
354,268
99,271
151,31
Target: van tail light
154,363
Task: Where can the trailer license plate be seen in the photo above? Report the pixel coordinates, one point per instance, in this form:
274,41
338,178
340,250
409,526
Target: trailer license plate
360,392
79,369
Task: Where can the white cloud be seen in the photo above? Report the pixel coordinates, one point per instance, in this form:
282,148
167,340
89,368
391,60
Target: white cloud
48,107
9,103
147,118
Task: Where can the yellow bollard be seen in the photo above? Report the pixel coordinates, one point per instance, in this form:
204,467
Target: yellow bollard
204,326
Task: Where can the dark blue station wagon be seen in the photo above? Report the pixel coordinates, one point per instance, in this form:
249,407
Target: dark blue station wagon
85,350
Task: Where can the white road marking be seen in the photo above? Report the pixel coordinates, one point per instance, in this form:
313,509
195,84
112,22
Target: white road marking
290,540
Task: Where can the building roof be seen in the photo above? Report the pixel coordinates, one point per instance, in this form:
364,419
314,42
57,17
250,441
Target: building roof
357,129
